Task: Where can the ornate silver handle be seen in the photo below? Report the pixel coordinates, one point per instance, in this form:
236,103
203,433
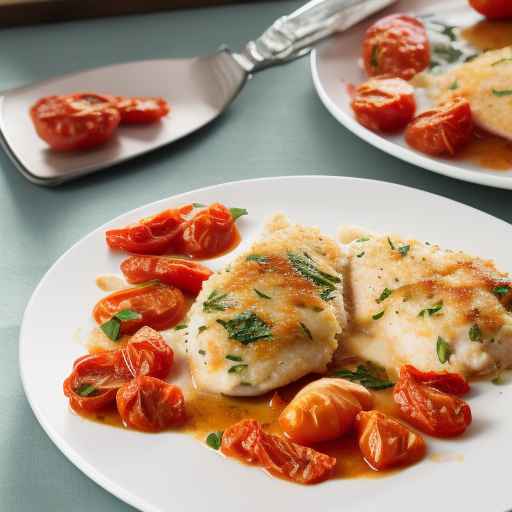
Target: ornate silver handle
292,36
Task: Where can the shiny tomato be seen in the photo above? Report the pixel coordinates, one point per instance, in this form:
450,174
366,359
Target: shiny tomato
324,410
385,442
493,9
186,275
442,130
396,45
246,441
76,121
141,110
384,104
428,409
153,235
159,306
451,383
150,404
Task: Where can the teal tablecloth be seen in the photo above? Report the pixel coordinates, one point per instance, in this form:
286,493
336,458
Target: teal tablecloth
276,127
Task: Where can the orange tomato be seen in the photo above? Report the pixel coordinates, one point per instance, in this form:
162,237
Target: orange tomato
141,110
324,410
493,9
451,383
385,442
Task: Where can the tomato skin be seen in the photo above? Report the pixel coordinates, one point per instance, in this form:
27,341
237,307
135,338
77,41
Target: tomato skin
493,9
186,275
246,441
150,405
160,306
430,410
75,122
385,442
396,45
442,130
141,110
451,383
324,410
384,104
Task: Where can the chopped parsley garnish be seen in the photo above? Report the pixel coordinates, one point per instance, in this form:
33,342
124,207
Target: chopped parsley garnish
391,244
454,85
447,53
503,92
202,352
499,380
201,329
360,255
86,390
246,328
501,290
257,258
443,350
384,295
502,61
379,315
216,302
475,333
363,239
128,314
432,310
403,250
214,440
237,212
238,368
261,294
198,205
231,357
327,295
308,270
370,376
180,327
374,58
112,327
306,331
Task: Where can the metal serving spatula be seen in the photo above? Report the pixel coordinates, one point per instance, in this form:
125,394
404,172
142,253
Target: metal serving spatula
198,90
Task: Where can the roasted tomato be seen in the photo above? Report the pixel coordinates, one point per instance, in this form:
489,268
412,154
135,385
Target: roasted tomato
385,442
493,9
141,110
384,104
159,306
451,383
442,130
324,410
428,409
396,45
150,404
75,121
186,275
247,442
153,235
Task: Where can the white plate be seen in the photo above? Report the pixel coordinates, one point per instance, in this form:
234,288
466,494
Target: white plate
335,64
174,472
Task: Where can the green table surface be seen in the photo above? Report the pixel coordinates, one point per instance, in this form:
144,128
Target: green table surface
276,127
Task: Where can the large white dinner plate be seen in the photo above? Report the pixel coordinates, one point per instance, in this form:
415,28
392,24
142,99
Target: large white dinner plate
175,472
335,63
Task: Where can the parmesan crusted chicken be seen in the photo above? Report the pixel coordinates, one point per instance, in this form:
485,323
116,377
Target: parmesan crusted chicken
271,316
414,303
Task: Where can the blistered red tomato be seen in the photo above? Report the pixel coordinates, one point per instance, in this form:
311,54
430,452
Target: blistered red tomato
396,45
493,9
186,275
246,441
141,110
150,404
451,383
428,409
443,130
158,305
75,121
384,104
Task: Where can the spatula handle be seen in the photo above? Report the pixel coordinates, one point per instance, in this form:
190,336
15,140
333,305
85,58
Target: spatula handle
293,35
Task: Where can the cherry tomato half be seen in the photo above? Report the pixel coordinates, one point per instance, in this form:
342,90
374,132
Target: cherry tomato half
76,121
384,104
160,306
442,130
141,110
186,275
428,409
150,404
246,441
493,9
396,45
451,383
385,442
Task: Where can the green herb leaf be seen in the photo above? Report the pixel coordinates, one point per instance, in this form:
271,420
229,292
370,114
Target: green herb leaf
216,302
503,92
364,239
379,315
246,328
261,294
432,310
501,61
257,258
501,290
231,357
327,294
360,255
475,333
391,244
128,314
370,376
499,380
403,250
214,440
202,352
374,58
201,329
447,53
237,212
180,327
86,390
198,205
443,350
384,295
308,270
306,331
238,368
112,328
454,85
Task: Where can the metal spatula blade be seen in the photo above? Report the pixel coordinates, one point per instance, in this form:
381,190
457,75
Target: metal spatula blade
198,90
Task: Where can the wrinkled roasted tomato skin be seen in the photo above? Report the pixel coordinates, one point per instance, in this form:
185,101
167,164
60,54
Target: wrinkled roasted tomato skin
384,104
141,110
160,306
493,9
385,442
430,410
451,383
186,275
246,441
396,45
150,405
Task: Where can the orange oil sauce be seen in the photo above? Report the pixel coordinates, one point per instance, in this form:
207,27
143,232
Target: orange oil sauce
489,151
488,35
